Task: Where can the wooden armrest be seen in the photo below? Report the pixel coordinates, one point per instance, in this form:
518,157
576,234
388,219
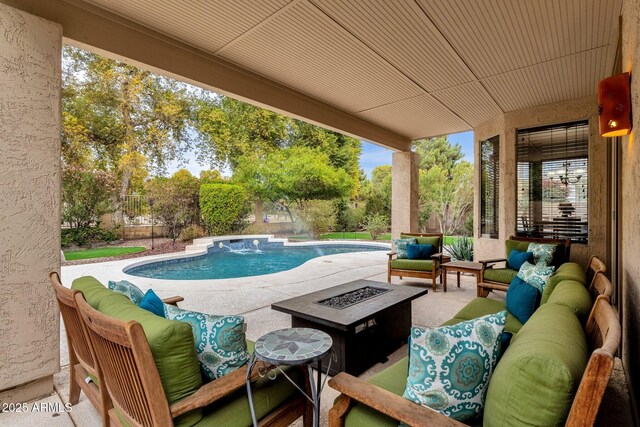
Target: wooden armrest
391,254
388,403
173,300
494,286
217,389
436,256
492,261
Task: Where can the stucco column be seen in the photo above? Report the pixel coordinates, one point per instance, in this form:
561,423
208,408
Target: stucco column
30,78
404,193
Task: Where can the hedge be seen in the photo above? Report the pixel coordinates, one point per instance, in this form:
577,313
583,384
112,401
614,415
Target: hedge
222,206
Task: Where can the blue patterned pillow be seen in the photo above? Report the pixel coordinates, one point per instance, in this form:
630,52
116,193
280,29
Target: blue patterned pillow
542,252
536,275
127,289
450,366
220,340
401,246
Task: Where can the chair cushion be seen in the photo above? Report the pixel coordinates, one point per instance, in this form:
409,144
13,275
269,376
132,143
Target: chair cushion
536,379
501,275
543,252
450,366
479,307
522,299
152,302
567,271
412,264
574,295
401,246
536,275
170,341
517,258
220,340
416,251
127,289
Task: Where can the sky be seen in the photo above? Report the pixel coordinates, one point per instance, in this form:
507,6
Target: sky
372,155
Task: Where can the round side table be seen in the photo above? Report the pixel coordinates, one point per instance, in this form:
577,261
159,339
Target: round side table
293,346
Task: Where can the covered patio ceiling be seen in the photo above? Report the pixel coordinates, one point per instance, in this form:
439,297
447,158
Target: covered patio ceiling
404,69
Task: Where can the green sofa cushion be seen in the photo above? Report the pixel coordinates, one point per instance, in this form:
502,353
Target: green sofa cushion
501,275
567,271
171,342
393,379
536,379
574,295
479,307
435,241
412,264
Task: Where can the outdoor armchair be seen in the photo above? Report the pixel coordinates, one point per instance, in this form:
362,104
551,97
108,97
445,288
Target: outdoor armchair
419,268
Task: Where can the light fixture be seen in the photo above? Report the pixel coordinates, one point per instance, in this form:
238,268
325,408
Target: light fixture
614,105
563,173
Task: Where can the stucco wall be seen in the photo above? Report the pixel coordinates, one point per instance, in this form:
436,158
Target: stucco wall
629,203
30,50
404,193
506,126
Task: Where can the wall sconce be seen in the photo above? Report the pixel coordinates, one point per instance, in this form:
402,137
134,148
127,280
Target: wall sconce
614,105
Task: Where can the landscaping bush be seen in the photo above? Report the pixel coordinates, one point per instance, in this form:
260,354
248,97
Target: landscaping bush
316,217
192,232
461,249
377,224
223,207
83,236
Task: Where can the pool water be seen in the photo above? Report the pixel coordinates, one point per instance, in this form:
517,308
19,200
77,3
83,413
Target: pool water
226,264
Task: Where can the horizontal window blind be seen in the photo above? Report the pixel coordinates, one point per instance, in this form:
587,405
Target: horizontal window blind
490,186
553,179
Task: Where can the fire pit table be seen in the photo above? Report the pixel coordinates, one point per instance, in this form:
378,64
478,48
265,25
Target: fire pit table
366,320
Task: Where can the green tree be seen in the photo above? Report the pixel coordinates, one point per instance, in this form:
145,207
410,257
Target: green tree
377,192
86,195
437,151
223,207
316,217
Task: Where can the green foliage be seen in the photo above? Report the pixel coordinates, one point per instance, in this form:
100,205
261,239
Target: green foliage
377,192
316,217
211,176
349,216
86,195
223,207
191,232
175,200
86,235
468,225
377,224
437,151
461,249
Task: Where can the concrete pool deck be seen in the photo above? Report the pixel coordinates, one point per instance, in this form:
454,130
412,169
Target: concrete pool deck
252,298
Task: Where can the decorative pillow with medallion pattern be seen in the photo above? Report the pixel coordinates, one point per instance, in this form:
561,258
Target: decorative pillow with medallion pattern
220,340
542,252
127,289
401,246
450,366
536,275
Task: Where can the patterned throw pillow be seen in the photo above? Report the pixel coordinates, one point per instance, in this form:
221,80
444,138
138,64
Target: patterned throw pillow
536,275
401,246
220,340
450,366
542,252
127,289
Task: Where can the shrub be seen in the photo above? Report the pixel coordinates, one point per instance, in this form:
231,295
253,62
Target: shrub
349,217
191,232
468,225
317,217
83,236
377,224
223,207
461,249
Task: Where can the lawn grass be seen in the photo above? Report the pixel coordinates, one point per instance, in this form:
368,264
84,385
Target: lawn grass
101,252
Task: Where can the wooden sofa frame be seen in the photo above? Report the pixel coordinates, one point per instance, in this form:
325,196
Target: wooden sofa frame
435,272
603,335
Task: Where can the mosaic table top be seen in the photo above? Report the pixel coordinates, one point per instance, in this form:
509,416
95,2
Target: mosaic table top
293,346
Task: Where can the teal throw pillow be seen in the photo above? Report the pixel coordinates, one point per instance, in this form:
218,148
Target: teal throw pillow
522,299
517,258
536,275
152,302
450,366
401,246
127,289
542,252
417,251
220,340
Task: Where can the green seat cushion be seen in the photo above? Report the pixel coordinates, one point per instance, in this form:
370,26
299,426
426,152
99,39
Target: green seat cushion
537,377
574,295
479,307
171,342
434,240
393,379
267,395
567,271
412,264
501,275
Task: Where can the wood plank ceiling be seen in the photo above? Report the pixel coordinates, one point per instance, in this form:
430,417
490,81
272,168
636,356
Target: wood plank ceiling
419,68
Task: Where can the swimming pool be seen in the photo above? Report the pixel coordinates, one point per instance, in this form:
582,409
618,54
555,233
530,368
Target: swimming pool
242,259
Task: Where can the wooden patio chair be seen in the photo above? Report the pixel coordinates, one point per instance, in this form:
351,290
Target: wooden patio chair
595,265
84,370
134,384
600,285
436,260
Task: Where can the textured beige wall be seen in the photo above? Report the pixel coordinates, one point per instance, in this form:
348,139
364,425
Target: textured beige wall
30,50
404,193
629,202
506,126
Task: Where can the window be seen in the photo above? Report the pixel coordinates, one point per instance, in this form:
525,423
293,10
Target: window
490,186
553,172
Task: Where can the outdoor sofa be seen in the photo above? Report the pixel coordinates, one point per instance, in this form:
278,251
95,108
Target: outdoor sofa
567,342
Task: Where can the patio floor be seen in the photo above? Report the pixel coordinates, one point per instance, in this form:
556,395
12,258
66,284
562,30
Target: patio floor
252,298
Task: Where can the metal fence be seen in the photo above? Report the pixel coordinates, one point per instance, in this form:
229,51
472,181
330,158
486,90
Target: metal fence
136,210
